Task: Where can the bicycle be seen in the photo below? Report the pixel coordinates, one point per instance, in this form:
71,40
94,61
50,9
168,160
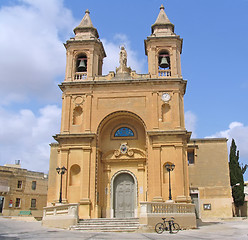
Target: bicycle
168,225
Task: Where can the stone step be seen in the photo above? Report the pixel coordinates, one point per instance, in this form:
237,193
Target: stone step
107,224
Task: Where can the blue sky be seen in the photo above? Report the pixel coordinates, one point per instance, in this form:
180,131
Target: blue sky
32,63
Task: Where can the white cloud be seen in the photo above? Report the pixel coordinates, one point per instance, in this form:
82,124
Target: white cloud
112,49
26,136
239,132
32,54
191,122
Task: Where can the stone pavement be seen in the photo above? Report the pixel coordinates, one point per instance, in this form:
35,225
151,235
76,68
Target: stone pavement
12,229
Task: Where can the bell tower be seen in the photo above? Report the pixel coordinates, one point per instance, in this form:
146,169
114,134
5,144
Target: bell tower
85,52
163,48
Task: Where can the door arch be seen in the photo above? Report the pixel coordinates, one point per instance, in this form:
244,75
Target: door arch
124,195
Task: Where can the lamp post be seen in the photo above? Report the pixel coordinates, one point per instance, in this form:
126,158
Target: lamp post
61,172
169,167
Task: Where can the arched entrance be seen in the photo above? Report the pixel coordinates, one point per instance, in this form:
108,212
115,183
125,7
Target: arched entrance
124,196
120,165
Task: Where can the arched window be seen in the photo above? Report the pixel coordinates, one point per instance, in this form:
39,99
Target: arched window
81,65
124,132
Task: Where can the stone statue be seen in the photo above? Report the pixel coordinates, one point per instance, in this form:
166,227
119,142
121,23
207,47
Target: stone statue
123,57
123,71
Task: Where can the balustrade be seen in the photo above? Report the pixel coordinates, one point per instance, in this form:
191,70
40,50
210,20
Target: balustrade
80,76
155,207
164,73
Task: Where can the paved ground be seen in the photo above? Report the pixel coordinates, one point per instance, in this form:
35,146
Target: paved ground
17,229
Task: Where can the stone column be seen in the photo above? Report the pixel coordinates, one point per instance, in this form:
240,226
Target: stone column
157,174
88,112
85,201
155,110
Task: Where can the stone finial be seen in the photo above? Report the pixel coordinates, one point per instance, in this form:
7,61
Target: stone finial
86,29
162,25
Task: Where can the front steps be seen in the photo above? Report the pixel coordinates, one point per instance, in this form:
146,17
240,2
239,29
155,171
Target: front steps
107,225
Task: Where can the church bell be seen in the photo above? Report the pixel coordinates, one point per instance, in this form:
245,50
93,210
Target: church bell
81,66
164,62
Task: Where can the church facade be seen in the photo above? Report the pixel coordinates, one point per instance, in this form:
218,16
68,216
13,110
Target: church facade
123,139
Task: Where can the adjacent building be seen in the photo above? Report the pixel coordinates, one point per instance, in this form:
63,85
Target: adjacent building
22,192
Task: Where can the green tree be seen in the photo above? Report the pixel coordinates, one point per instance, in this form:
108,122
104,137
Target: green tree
236,176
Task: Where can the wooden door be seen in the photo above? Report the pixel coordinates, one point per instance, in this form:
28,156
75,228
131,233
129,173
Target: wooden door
124,196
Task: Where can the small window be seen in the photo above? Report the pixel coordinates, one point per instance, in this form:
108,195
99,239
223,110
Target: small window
19,184
33,203
33,185
191,156
124,132
18,203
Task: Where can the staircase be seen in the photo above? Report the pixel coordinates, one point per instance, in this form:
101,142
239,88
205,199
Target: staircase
107,225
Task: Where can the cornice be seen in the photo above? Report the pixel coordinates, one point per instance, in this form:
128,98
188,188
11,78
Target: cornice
58,137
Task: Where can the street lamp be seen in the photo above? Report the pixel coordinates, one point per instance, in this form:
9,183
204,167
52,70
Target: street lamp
169,167
61,171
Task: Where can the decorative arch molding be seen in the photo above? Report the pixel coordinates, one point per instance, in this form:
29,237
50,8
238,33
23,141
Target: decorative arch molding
102,123
117,114
112,191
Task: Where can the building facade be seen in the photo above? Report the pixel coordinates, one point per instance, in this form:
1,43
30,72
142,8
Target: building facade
120,132
22,192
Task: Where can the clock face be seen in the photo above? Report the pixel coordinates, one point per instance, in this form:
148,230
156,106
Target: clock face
165,97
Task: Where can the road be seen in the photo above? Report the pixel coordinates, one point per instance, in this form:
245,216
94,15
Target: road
12,229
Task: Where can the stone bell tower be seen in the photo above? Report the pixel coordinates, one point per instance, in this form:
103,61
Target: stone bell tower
85,52
163,48
168,135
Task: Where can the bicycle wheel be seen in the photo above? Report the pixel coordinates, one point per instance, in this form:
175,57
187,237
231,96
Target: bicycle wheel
159,228
175,228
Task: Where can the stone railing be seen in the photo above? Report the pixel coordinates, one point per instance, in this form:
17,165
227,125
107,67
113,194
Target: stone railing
157,207
164,73
80,76
63,209
61,215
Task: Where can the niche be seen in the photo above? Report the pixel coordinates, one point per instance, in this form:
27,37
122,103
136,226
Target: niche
165,112
75,175
77,115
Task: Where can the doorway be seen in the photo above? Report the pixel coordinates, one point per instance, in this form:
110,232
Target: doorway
124,196
195,200
1,203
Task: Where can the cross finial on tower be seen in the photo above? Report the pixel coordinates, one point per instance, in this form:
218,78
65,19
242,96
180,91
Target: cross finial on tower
162,7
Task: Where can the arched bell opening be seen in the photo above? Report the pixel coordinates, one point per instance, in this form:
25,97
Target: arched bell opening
164,60
81,64
164,64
